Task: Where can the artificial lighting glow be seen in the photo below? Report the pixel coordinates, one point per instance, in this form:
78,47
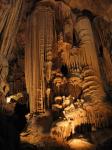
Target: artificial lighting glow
16,97
80,144
8,99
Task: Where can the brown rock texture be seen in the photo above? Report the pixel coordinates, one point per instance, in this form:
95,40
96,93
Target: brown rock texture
98,7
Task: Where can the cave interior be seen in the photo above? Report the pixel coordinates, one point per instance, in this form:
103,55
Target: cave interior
55,74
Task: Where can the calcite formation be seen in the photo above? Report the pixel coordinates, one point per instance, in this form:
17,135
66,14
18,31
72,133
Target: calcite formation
67,57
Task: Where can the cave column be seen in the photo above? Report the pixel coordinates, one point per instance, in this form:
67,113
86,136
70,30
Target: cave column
87,46
40,43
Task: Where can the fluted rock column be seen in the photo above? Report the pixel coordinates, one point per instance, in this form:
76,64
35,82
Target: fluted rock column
40,42
87,45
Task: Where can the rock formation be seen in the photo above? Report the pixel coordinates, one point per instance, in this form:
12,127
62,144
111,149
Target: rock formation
66,53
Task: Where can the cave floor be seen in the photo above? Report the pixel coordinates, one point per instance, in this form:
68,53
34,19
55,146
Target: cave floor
99,140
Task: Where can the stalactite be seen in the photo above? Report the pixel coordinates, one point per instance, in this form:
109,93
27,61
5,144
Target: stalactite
49,41
63,15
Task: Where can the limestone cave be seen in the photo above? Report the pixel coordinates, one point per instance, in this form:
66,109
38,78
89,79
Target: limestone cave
55,74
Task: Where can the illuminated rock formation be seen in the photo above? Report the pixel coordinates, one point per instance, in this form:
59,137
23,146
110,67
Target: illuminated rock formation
42,38
83,71
68,62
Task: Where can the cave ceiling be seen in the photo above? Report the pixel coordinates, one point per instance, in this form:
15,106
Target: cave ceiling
98,7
